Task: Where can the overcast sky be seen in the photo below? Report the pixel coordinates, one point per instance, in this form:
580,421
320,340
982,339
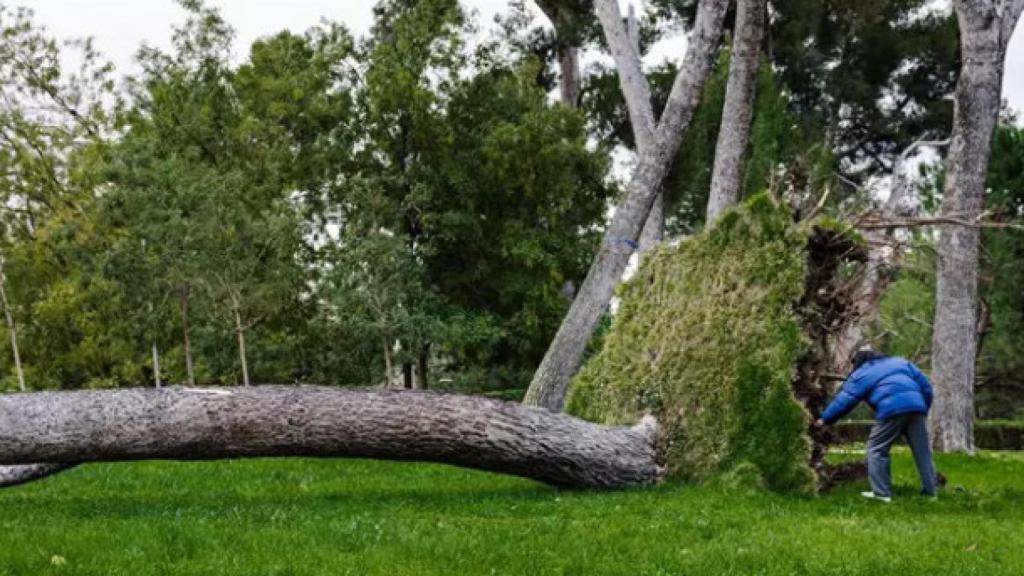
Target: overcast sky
121,26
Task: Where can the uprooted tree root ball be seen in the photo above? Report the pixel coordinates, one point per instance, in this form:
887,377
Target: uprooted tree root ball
724,338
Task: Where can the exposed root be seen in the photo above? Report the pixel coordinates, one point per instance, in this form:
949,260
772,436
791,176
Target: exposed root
827,308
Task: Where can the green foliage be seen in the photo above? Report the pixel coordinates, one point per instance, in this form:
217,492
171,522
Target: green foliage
843,64
707,338
906,311
52,121
486,193
348,517
333,201
1000,361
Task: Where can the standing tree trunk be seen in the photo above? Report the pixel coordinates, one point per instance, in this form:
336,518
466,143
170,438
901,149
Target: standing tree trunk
568,17
569,84
551,381
240,334
12,328
654,228
202,424
186,335
388,369
156,354
985,30
407,377
422,376
734,133
156,366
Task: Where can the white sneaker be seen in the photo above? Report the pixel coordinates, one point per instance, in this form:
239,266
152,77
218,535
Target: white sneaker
873,496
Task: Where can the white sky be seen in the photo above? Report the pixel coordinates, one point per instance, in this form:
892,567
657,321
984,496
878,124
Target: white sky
121,26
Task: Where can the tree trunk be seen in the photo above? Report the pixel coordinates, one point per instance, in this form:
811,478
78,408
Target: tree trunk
12,328
407,375
568,20
156,366
202,424
734,133
422,376
563,358
654,228
240,333
624,43
388,369
976,111
23,474
569,83
186,336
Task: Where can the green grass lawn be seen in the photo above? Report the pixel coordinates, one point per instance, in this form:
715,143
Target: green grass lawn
360,517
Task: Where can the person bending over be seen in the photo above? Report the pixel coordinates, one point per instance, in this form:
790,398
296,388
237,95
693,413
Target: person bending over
901,395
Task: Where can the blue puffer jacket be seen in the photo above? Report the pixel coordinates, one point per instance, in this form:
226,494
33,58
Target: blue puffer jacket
890,385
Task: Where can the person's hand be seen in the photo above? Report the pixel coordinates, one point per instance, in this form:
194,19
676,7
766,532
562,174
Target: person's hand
819,423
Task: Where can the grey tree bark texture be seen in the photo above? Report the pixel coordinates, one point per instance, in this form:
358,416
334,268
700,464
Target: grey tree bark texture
734,132
12,327
570,81
985,29
567,16
23,474
186,332
565,354
54,428
624,44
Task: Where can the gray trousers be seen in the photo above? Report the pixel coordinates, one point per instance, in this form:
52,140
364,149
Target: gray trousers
883,435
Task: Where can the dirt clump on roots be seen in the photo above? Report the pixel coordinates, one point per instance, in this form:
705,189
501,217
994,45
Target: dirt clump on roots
724,338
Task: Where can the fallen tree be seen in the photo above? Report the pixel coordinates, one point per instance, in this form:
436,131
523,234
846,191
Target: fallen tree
23,474
45,432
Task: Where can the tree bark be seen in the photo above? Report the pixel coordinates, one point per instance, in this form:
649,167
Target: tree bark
23,474
186,335
423,367
12,328
407,375
388,370
624,44
570,81
563,358
156,366
203,424
568,18
654,227
985,29
734,132
240,333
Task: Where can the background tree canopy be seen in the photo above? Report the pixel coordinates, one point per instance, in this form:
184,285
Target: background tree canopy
414,207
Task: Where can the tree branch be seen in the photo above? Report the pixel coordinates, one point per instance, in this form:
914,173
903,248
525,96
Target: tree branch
1010,16
979,222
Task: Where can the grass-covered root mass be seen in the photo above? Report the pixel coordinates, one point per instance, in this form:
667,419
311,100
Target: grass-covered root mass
713,336
341,517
